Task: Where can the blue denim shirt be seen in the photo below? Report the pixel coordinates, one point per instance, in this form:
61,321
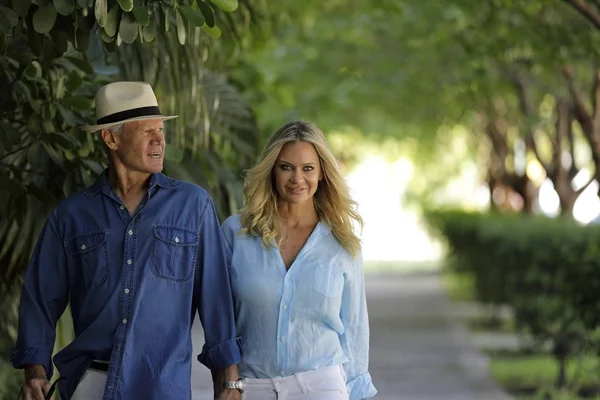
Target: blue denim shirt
311,316
134,285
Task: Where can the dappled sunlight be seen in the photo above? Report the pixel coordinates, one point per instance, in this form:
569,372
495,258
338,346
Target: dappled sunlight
391,232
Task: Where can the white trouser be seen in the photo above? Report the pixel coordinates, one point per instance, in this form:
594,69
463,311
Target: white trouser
327,383
91,387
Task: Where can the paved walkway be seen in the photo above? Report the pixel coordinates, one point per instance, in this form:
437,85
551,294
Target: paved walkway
419,351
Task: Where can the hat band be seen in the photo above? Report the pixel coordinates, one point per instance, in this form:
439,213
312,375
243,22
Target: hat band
128,114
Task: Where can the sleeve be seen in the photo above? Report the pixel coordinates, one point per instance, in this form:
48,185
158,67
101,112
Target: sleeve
44,297
355,339
213,295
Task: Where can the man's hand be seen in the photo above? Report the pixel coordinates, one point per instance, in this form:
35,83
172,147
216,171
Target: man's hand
230,394
36,384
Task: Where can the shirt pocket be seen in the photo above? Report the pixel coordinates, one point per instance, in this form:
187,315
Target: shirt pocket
90,253
328,280
174,253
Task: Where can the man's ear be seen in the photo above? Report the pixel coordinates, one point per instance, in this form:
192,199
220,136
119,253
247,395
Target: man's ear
110,139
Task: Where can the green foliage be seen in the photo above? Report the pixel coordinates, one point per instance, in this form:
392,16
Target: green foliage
55,54
545,269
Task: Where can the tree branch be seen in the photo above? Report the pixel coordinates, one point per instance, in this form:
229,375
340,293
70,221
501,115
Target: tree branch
10,153
596,99
589,182
581,112
527,109
585,10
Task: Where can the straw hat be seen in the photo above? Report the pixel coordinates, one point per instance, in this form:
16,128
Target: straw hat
121,102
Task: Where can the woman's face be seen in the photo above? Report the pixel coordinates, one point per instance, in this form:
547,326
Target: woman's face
297,172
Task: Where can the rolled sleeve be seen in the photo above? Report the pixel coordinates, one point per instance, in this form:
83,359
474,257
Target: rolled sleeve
361,387
355,340
33,355
214,296
222,355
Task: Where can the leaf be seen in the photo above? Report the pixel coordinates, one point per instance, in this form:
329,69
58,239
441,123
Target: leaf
141,15
77,102
193,16
112,22
208,12
74,81
166,19
58,138
60,39
33,70
173,153
12,16
81,64
94,166
21,7
64,7
44,19
82,37
128,29
226,5
214,32
67,115
149,32
180,27
100,11
5,24
126,5
70,183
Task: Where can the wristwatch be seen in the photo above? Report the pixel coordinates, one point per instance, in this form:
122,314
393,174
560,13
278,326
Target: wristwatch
239,385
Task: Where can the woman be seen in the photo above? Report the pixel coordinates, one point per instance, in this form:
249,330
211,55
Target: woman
297,275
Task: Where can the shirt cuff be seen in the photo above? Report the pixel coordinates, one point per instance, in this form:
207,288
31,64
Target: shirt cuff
34,355
361,387
222,355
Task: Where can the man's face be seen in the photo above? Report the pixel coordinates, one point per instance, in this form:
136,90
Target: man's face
141,146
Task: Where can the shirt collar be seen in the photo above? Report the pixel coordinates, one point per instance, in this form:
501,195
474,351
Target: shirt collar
155,180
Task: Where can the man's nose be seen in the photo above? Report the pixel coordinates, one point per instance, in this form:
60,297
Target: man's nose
158,137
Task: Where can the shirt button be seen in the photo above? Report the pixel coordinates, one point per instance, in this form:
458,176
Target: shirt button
122,207
126,291
282,340
83,247
176,240
129,261
282,372
284,307
109,387
124,321
130,232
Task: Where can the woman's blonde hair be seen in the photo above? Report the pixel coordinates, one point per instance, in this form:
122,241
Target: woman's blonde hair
260,214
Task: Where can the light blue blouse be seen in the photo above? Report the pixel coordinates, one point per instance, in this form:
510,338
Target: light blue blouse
311,316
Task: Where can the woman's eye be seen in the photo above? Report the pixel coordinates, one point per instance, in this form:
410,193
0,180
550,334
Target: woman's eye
308,168
285,167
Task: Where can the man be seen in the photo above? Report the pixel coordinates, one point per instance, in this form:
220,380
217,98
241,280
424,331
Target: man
137,255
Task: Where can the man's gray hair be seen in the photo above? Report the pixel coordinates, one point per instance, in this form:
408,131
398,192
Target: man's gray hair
116,130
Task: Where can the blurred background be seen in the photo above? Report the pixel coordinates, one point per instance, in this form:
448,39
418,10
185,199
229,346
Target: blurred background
469,133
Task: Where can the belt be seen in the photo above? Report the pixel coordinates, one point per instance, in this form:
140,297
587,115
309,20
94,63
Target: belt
99,366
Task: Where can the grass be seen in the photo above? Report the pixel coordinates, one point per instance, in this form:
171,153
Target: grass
400,266
458,286
521,373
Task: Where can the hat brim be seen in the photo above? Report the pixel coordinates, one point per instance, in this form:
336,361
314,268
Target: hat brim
96,128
